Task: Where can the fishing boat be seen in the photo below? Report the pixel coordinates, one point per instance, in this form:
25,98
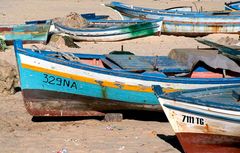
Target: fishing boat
204,120
232,6
73,84
29,32
184,23
112,30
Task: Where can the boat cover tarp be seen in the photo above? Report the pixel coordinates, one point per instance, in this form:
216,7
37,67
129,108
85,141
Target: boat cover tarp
232,53
209,56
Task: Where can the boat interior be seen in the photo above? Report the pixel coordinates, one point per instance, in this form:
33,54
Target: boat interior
157,66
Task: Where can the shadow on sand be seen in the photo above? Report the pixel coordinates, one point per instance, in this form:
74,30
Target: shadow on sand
172,140
133,115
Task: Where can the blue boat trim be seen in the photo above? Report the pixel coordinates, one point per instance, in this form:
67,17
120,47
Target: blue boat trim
103,35
112,28
232,5
120,6
126,74
179,96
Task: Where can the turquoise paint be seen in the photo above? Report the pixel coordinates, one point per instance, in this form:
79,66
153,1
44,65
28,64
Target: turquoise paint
37,37
27,32
35,80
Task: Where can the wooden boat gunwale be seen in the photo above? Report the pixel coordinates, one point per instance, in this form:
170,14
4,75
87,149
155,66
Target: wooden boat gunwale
192,14
122,73
139,22
179,97
207,126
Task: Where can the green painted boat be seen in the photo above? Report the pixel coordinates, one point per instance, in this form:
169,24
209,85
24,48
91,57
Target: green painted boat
112,30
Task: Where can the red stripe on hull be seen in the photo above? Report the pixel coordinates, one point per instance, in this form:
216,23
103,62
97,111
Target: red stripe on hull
10,42
209,143
4,29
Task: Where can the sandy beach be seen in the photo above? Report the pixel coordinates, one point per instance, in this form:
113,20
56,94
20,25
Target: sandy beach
139,132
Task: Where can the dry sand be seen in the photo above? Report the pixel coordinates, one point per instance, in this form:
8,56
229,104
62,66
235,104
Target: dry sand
148,133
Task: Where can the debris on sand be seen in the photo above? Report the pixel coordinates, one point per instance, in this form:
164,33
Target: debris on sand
3,45
8,78
59,41
73,20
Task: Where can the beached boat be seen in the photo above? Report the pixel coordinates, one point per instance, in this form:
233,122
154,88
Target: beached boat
232,6
204,120
66,84
29,32
187,23
112,30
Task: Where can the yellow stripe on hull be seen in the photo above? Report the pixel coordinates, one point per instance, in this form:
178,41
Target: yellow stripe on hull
93,81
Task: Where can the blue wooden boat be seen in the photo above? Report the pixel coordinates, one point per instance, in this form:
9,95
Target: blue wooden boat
187,23
29,32
70,84
232,6
112,30
204,120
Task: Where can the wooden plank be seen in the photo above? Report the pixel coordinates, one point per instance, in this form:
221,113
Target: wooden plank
110,64
130,62
147,63
165,64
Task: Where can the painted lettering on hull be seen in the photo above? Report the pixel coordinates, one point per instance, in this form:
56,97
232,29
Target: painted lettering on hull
53,80
193,120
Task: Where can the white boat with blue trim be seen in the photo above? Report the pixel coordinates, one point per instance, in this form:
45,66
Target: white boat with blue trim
204,120
112,30
187,23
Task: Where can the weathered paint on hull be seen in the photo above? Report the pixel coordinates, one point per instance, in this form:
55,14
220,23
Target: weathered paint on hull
28,33
51,103
123,36
189,29
209,143
183,24
204,120
114,33
49,74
